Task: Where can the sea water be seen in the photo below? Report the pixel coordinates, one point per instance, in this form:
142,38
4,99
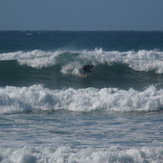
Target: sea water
48,113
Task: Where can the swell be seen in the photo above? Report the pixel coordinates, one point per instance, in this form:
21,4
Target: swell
61,68
104,75
11,73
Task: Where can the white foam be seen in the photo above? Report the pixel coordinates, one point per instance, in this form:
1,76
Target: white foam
36,98
66,154
35,58
72,67
143,60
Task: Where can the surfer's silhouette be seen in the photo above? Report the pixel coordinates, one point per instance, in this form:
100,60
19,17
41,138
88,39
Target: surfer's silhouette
87,69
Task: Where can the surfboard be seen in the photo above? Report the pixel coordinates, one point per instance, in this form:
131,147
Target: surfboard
83,75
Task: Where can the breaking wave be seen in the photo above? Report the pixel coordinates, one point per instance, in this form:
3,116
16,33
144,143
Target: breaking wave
37,98
66,154
72,60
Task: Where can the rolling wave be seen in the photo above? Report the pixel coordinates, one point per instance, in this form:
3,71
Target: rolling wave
37,98
71,61
62,68
111,154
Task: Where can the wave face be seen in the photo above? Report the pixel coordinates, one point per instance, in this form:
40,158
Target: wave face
62,68
142,60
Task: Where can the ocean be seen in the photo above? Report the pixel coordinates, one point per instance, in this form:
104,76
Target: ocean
50,114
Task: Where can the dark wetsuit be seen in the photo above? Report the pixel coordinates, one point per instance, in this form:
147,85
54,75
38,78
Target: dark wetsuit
87,69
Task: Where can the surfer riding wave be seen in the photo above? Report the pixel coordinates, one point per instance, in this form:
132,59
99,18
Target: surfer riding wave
87,69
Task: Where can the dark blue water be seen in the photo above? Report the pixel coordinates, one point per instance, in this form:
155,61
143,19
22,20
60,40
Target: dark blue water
54,40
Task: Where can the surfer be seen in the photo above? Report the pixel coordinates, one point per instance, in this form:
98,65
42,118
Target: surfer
87,69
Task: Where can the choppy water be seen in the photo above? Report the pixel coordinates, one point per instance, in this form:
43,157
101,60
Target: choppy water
48,113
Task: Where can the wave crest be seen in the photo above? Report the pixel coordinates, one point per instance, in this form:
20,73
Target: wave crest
142,60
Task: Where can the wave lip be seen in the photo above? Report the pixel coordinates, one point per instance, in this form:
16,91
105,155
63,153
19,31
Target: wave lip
37,98
36,58
142,60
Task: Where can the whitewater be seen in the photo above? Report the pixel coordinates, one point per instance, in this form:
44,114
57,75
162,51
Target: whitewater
48,113
141,60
